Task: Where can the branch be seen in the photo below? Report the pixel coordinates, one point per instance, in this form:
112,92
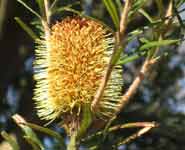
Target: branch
124,18
119,43
149,62
124,126
46,20
135,84
47,12
135,135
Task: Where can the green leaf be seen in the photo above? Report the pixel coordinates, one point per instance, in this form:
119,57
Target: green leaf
146,15
47,131
30,9
157,44
53,4
160,7
144,40
136,6
86,121
118,2
33,143
26,28
10,140
116,56
111,8
29,133
134,34
130,58
41,5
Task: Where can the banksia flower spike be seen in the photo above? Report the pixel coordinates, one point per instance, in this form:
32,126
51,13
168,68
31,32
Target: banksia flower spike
70,69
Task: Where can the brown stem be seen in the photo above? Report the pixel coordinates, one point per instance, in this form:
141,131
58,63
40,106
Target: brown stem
119,40
135,84
124,18
144,70
135,135
47,12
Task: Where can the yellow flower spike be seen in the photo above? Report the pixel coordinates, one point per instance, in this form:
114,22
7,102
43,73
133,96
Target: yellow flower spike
69,72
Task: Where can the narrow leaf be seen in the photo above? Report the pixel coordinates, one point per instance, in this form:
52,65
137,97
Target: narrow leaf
53,4
41,5
146,15
136,6
26,28
157,44
29,8
111,8
128,59
33,143
10,140
86,121
29,133
47,131
117,55
118,2
144,40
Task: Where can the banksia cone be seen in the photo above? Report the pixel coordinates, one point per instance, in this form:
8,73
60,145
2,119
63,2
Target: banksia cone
70,68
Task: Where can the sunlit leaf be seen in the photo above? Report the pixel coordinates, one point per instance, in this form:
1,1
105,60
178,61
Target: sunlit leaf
26,28
117,55
144,40
129,59
136,6
10,140
111,8
178,17
144,13
157,44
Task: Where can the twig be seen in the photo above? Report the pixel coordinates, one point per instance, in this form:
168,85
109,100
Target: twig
46,20
149,62
124,126
124,18
135,84
47,12
119,43
135,135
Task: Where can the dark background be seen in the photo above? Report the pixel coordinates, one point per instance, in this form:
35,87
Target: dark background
160,98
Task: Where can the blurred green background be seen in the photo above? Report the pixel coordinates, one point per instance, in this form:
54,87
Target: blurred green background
160,98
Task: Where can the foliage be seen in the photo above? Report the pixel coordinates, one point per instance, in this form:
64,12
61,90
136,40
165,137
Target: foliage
154,39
